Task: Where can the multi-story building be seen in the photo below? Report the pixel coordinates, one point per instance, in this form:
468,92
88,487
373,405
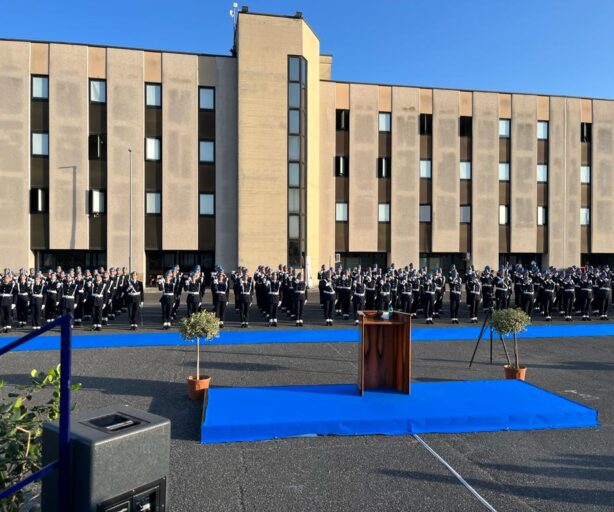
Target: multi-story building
260,157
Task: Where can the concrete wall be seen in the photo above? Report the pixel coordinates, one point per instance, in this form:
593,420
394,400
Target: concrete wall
602,179
523,174
327,179
68,150
405,181
363,167
14,153
572,190
125,130
485,181
179,152
446,172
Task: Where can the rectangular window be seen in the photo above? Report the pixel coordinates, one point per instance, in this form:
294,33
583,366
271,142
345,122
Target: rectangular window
384,121
504,128
153,149
343,120
206,204
98,91
383,212
464,126
585,132
504,214
294,200
585,174
206,98
341,165
426,124
153,95
96,146
294,95
294,69
341,212
542,173
40,144
293,227
585,216
383,167
294,148
542,130
294,122
38,200
425,213
97,201
293,174
465,170
152,203
207,151
541,216
504,171
465,214
425,168
40,88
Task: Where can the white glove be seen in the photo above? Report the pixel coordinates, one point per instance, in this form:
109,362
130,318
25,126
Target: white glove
305,301
12,306
279,304
43,308
141,305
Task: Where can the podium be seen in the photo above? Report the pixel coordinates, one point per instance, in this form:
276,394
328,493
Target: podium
385,352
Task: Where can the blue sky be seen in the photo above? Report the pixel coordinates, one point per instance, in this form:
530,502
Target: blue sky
541,46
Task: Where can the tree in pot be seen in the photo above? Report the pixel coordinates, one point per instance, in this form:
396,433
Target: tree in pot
199,326
511,321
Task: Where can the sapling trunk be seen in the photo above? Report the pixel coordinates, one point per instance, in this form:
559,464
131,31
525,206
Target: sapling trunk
516,352
198,358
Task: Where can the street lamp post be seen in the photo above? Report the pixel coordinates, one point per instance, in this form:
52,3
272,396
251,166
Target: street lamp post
130,217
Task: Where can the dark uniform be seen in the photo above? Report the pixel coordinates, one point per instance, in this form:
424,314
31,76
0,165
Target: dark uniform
246,286
54,290
219,287
98,297
358,297
167,287
569,293
300,297
428,299
134,295
68,299
192,287
38,296
473,297
455,297
328,289
8,301
23,300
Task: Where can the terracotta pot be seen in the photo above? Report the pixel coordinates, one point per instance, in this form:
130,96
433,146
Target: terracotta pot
515,373
196,388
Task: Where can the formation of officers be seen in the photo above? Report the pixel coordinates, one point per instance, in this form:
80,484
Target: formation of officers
102,295
31,297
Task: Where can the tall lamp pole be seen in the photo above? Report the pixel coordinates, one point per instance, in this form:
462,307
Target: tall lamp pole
130,217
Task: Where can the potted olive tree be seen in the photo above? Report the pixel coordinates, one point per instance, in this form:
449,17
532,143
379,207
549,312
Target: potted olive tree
199,326
511,321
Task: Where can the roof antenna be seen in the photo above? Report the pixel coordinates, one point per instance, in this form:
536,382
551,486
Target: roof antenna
233,14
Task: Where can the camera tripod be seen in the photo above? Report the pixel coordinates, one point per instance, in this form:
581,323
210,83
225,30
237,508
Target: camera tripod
477,343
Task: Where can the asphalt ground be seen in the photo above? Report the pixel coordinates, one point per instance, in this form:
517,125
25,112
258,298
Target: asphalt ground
548,470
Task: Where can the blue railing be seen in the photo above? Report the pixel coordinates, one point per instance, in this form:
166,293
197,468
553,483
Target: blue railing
62,464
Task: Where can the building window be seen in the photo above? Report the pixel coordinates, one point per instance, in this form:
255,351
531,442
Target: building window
97,202
465,170
425,213
206,98
293,227
98,91
294,200
38,200
96,146
585,132
294,95
383,212
40,88
294,121
426,124
152,203
542,130
465,214
153,95
504,171
464,126
206,204
343,120
383,167
341,212
504,214
153,149
293,174
541,216
384,121
40,144
585,174
585,216
504,128
542,173
425,169
341,165
207,151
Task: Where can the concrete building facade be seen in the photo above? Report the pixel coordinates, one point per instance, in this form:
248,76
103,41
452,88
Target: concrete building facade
115,156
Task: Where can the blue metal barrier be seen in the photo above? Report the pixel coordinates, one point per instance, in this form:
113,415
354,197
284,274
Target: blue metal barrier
62,464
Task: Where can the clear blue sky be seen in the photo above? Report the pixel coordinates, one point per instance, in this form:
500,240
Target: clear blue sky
541,46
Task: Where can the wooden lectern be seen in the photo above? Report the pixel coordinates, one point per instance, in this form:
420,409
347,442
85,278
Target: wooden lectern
385,355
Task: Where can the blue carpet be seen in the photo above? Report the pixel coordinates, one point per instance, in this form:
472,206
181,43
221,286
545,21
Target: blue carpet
348,335
260,413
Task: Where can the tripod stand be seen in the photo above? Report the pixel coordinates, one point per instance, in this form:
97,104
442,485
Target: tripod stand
477,343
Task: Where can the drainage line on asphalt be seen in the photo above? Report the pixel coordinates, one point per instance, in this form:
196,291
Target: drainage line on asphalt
487,505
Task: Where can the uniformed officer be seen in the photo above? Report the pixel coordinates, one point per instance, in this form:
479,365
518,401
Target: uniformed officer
569,292
328,288
246,288
23,299
586,297
134,294
98,297
219,287
428,298
167,286
192,287
300,298
344,288
473,289
455,286
8,301
487,285
527,294
605,286
358,296
38,295
54,289
68,298
548,296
